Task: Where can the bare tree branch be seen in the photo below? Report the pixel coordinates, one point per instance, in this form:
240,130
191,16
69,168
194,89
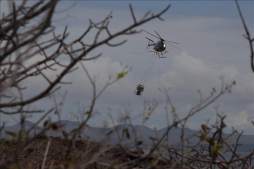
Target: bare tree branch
247,35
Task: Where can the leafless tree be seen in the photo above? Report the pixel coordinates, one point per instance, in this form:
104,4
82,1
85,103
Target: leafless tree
31,50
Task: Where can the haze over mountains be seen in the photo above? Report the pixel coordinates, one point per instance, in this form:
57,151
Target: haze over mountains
124,134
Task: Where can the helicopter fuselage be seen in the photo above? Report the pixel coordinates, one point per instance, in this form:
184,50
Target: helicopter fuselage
159,46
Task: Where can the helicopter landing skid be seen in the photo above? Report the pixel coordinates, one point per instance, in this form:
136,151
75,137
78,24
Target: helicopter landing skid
159,54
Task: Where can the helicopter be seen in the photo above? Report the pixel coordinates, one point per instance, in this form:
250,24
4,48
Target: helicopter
159,46
139,89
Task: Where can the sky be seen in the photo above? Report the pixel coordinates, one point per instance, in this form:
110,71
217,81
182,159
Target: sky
211,47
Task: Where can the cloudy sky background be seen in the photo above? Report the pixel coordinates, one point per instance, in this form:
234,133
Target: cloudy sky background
212,46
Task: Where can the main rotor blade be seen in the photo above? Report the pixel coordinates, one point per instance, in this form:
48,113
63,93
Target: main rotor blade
177,43
149,39
174,48
152,34
158,35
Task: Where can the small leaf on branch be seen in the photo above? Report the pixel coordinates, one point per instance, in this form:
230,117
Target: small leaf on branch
121,75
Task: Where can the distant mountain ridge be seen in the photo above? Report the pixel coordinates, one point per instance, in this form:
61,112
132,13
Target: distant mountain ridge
124,134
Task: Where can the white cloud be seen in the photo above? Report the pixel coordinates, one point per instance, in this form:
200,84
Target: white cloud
238,120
